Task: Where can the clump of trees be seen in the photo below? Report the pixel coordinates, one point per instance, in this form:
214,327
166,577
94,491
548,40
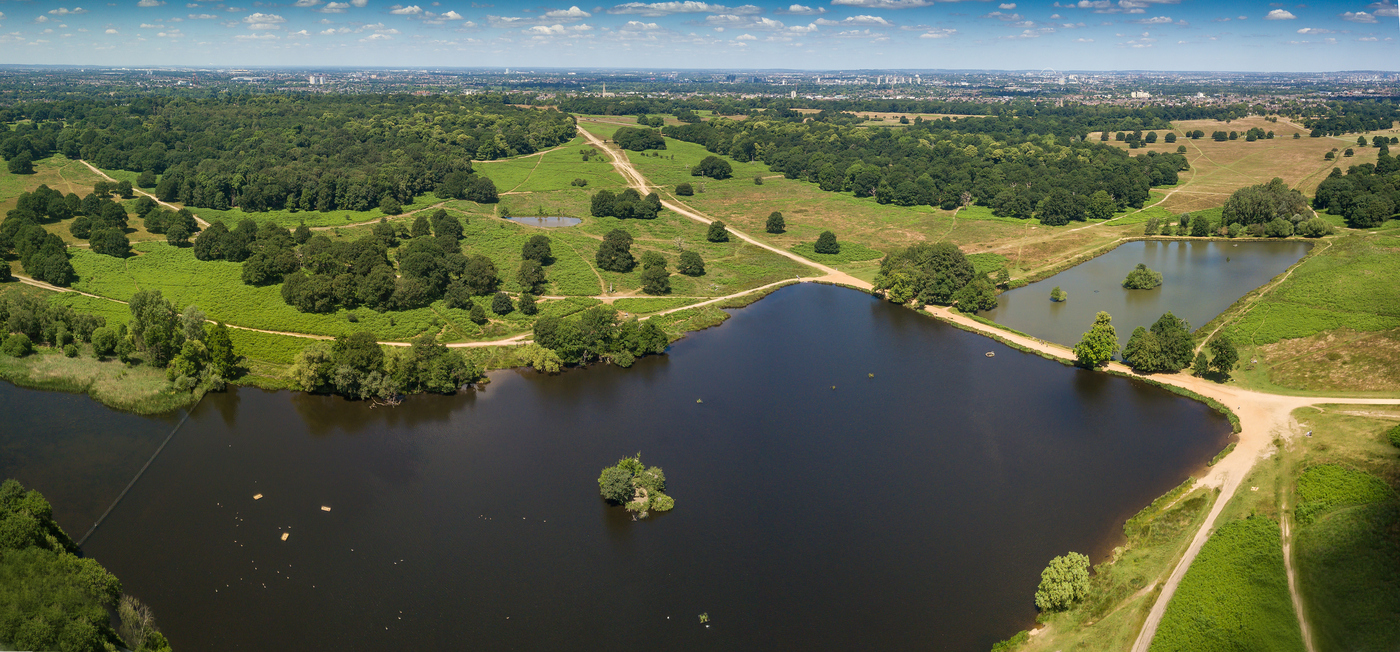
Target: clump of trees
1058,296
628,204
1064,582
925,273
43,254
713,167
1222,360
461,184
1366,196
655,278
827,244
598,334
1098,346
615,254
1262,203
639,139
355,366
1165,348
53,598
1142,278
631,484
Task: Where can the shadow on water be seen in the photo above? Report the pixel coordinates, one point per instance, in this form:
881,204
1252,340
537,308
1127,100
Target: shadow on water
911,509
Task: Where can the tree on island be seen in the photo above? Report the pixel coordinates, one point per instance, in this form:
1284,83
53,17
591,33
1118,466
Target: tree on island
827,244
1098,346
631,484
775,223
1058,296
1064,582
1142,278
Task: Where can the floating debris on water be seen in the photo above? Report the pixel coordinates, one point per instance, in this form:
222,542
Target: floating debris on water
705,617
698,401
871,375
325,509
991,354
257,496
285,535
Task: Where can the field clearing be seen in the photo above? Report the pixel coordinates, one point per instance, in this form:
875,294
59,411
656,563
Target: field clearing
1220,168
1234,596
57,172
554,170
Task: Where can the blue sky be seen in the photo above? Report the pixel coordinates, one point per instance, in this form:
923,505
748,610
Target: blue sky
835,34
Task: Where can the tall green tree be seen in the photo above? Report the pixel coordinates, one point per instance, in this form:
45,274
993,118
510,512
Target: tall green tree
615,254
1099,345
717,232
775,223
827,244
1064,582
1223,354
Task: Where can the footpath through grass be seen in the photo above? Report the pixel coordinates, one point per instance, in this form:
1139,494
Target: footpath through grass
1235,595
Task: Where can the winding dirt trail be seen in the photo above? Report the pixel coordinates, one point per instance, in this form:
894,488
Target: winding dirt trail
202,224
1263,417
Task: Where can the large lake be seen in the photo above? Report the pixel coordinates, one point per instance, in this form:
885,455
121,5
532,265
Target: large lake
914,509
1200,279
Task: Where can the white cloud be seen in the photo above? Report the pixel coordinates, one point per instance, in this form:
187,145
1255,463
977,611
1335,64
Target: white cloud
1314,30
572,13
299,34
802,10
202,16
1279,14
174,33
741,22
62,11
1359,17
42,19
306,3
638,26
452,15
867,20
884,4
1007,6
1368,39
746,37
150,3
1386,9
939,32
668,8
411,10
1158,20
1004,17
333,30
378,37
261,21
557,30
334,8
1083,40
803,29
111,31
256,37
149,26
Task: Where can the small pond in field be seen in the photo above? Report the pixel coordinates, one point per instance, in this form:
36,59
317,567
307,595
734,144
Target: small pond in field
547,222
1200,279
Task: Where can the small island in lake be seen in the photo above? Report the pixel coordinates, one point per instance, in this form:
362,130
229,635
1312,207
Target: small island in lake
631,484
1142,278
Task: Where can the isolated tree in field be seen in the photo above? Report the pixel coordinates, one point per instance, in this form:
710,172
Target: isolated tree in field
1064,582
656,280
1224,357
1058,296
477,315
717,232
827,244
684,190
615,254
537,248
1098,346
691,264
713,167
1170,137
147,179
530,276
1142,278
21,163
775,223
1152,226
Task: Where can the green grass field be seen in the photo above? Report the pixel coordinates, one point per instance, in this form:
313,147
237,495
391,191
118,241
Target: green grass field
1235,595
851,252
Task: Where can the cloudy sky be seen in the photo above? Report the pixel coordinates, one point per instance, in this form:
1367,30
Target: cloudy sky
836,34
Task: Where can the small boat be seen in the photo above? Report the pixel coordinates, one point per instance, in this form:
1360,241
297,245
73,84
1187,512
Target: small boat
991,355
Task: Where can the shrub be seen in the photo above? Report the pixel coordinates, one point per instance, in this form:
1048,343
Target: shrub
684,190
717,232
1058,296
17,345
501,305
70,350
758,181
527,304
1394,436
1326,486
5,273
477,315
826,243
104,342
691,264
1142,278
713,167
579,182
615,254
775,224
390,206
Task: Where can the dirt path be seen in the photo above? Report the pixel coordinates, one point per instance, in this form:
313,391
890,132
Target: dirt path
202,224
638,181
1263,417
1293,579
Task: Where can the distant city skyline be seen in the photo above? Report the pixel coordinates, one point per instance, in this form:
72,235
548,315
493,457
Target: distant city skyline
839,34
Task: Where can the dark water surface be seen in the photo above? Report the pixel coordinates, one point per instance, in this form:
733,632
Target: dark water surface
1200,279
914,509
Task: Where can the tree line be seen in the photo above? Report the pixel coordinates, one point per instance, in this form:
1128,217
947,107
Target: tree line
1366,196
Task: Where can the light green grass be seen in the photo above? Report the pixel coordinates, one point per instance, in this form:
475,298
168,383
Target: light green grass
553,171
141,389
984,264
642,306
851,252
1234,596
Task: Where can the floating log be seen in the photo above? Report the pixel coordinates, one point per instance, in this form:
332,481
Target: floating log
257,496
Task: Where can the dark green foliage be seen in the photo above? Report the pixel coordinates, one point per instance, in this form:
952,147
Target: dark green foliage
21,163
827,244
930,273
81,228
691,264
1142,278
713,167
1200,366
1064,582
638,139
775,223
975,296
5,273
1099,345
17,345
537,248
1223,355
615,485
420,227
1057,295
1262,203
629,204
717,232
302,234
597,333
477,315
43,254
615,254
652,259
530,275
501,304
1166,348
684,190
1366,196
390,206
527,304
147,179
579,183
1327,486
1278,228
656,280
1393,435
111,242
1201,225
155,327
632,484
1060,207
482,191
1015,642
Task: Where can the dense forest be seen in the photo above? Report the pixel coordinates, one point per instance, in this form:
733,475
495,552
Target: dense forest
1366,196
1008,163
1341,117
271,152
